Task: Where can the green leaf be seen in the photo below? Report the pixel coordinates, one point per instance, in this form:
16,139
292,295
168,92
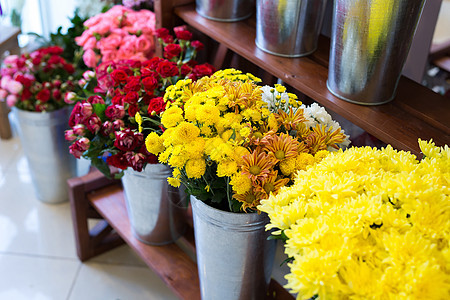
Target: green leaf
99,109
102,166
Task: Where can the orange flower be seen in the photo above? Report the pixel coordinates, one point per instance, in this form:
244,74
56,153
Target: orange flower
250,199
281,146
290,120
272,184
257,165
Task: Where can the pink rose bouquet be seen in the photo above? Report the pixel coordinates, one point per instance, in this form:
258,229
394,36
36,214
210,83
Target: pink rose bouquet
37,81
119,33
108,127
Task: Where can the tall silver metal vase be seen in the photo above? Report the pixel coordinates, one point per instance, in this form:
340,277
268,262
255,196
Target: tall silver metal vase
370,41
156,210
234,257
225,10
47,152
289,28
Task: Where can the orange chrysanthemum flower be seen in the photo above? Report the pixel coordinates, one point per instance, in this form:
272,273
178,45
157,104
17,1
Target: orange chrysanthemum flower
281,146
250,199
290,120
272,184
257,165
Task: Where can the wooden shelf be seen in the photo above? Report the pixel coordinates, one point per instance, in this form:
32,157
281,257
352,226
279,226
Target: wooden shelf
94,196
416,112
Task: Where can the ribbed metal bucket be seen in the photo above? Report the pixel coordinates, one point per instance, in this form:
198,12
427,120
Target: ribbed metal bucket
225,10
289,28
47,152
156,210
369,45
234,257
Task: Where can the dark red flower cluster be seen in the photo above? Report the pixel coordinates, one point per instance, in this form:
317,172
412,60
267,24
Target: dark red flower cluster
37,81
105,125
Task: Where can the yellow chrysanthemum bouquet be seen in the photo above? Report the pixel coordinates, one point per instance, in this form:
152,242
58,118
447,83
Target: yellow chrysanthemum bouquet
228,147
368,224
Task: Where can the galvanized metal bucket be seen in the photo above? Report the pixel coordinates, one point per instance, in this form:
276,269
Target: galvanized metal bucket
234,257
370,42
225,10
289,28
156,210
47,152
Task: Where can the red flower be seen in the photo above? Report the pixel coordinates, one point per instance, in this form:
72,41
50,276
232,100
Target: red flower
26,94
127,140
131,98
115,111
185,69
133,84
152,63
150,83
162,32
197,45
56,94
117,161
133,109
107,128
43,95
77,148
117,99
135,160
183,35
119,76
156,105
203,70
69,68
96,99
94,124
172,50
167,69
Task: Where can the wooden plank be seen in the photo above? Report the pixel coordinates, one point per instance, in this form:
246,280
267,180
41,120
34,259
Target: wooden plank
398,123
172,264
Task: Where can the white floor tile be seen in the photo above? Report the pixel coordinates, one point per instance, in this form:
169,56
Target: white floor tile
36,278
122,255
28,226
99,281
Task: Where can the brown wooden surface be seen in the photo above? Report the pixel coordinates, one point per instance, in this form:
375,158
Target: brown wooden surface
416,112
8,40
173,265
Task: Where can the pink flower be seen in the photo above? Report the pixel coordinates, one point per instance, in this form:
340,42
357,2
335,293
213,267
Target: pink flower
115,112
90,58
69,135
94,124
77,149
79,130
70,97
143,44
136,160
90,43
88,75
3,94
107,128
11,100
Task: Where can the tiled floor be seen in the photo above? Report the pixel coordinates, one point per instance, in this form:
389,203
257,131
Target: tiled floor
37,249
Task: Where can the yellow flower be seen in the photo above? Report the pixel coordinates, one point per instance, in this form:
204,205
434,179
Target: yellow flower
184,133
257,165
226,168
240,183
154,143
207,114
195,168
303,160
172,116
288,166
174,181
138,119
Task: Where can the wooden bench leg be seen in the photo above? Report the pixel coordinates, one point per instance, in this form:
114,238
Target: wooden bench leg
100,238
5,127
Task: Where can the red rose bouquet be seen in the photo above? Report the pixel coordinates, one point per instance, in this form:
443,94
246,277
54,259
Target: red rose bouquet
109,126
37,81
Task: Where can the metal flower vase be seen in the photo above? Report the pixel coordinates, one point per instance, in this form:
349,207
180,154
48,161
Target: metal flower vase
234,257
225,10
370,41
47,152
289,28
156,210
